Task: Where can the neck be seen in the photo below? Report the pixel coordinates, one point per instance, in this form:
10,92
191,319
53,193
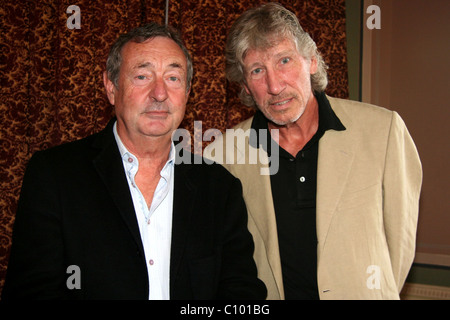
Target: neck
152,154
147,149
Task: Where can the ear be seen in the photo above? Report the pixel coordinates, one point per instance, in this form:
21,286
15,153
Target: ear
313,66
188,92
247,90
110,88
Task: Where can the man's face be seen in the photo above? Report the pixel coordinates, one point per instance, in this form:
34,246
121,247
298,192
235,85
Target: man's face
279,80
151,96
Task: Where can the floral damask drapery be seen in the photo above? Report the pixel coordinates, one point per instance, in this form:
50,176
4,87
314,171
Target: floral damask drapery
51,76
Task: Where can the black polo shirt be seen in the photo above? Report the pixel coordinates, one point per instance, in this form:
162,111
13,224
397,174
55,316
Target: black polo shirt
294,197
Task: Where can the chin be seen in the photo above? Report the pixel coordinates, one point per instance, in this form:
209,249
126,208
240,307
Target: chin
284,119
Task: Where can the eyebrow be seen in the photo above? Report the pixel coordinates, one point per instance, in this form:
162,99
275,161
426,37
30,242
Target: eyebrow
143,65
284,53
279,55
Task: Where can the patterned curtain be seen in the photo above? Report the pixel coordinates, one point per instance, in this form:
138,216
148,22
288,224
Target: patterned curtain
51,88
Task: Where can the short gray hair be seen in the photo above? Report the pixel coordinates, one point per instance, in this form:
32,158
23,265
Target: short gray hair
139,35
262,28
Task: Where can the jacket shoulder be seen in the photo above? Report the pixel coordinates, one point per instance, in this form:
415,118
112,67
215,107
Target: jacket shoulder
359,109
246,124
201,167
80,147
362,116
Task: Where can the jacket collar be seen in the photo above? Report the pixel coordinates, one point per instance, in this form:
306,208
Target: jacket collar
108,164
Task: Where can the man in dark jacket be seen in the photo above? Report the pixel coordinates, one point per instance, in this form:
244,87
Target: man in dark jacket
116,216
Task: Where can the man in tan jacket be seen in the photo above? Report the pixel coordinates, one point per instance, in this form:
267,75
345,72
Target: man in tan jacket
331,186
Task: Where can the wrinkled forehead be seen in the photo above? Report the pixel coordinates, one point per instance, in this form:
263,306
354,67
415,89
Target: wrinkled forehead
265,44
158,50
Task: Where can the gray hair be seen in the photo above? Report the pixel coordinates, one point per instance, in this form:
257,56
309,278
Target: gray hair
139,35
262,28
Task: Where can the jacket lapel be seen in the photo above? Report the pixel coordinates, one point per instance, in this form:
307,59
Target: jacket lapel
259,200
336,154
108,164
185,193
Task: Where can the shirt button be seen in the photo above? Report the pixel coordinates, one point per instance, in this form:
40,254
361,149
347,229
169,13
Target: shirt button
130,160
151,262
302,179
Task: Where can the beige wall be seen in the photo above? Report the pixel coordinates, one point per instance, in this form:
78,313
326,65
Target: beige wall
406,68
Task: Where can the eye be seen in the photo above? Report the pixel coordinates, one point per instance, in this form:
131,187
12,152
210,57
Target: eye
175,81
285,60
256,71
141,77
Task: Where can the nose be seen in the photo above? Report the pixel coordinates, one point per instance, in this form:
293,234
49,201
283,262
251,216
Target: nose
159,90
275,83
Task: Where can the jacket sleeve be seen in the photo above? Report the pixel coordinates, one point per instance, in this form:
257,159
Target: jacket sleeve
238,278
401,190
35,269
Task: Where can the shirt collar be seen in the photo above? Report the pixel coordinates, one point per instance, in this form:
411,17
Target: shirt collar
328,120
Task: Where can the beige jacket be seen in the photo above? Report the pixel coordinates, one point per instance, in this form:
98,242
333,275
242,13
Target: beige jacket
369,179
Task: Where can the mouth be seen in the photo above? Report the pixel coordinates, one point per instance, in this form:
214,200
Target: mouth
280,104
156,114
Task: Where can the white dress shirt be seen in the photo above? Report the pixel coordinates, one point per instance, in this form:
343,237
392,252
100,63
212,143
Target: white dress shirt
155,223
